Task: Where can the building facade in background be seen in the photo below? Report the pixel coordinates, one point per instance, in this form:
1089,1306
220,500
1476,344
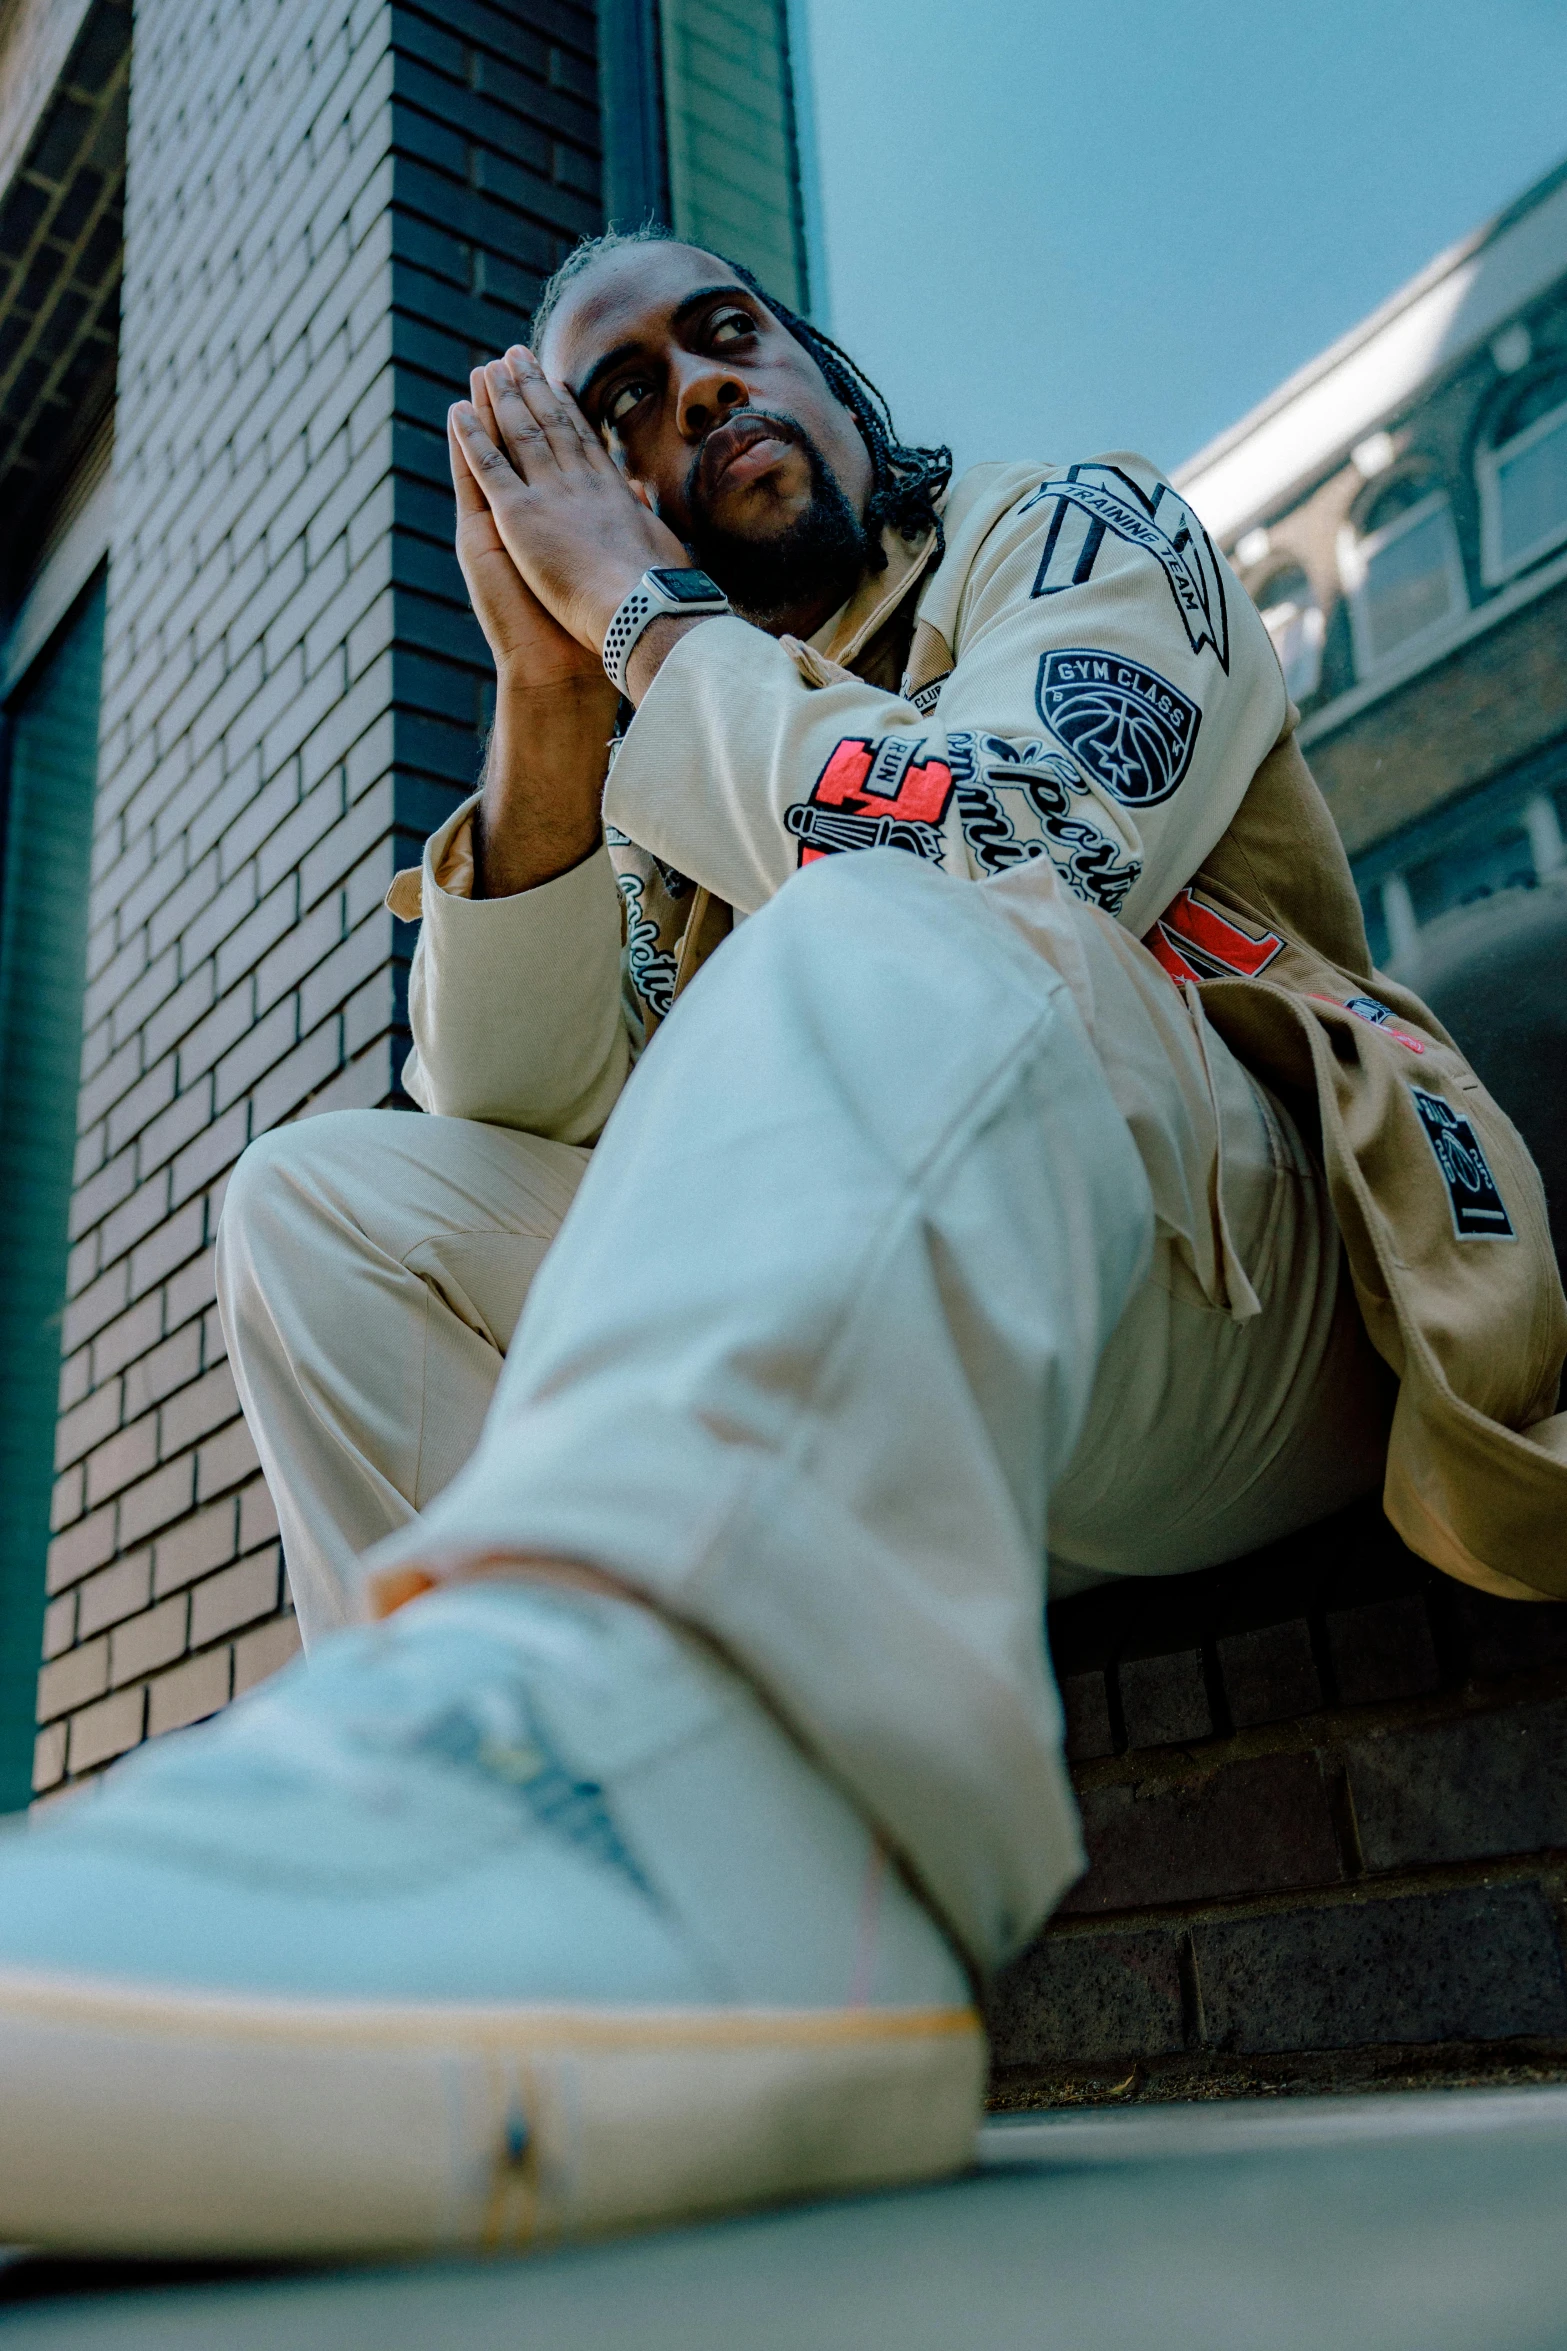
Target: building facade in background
248,252
1398,510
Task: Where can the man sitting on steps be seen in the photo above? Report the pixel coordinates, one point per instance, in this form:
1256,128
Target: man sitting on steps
971,1134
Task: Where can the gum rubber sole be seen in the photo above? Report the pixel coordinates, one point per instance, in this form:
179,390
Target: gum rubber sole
188,2123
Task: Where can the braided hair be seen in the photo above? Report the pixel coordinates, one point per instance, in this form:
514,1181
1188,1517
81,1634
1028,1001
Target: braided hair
907,481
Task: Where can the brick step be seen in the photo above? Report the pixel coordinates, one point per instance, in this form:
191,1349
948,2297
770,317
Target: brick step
1324,1798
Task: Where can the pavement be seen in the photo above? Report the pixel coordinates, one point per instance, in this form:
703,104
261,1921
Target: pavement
1420,2222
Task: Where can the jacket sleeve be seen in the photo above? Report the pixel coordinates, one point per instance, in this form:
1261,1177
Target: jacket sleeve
1111,693
515,1003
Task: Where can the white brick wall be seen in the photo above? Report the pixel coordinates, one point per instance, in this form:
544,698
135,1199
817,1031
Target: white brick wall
331,210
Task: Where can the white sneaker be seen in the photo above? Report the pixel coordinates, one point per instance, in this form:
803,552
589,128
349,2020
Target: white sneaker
515,1917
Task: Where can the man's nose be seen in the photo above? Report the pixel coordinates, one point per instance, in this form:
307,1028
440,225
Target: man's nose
708,394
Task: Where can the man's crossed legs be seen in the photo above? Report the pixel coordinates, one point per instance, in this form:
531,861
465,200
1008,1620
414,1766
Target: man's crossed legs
534,1908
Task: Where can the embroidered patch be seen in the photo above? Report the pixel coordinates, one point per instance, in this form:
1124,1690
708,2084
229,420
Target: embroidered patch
1194,941
1159,522
928,695
1375,1015
651,967
1019,801
1479,1213
1129,728
1072,545
874,793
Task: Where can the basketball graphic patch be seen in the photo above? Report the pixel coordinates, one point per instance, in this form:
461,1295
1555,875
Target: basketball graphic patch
1478,1210
1128,728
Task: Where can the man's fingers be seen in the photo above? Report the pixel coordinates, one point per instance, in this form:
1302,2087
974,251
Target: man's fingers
518,430
470,498
479,393
527,368
559,418
492,476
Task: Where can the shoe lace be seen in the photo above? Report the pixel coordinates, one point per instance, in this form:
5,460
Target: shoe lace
461,1706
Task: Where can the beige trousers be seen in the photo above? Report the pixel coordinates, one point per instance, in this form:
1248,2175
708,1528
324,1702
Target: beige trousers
933,1233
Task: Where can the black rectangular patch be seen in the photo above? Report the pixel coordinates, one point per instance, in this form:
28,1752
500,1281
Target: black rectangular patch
1478,1210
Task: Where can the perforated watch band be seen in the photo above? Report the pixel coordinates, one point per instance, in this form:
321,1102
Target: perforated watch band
648,600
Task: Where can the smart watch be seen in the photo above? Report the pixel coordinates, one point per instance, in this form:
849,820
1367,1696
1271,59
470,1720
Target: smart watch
669,588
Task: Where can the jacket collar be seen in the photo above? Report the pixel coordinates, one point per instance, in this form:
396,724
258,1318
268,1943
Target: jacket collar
878,594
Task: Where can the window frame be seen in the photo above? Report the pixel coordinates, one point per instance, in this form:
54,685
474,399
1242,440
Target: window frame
1358,550
1309,612
1494,567
43,976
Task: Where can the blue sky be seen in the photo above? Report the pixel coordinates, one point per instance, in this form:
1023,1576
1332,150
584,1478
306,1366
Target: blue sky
1053,228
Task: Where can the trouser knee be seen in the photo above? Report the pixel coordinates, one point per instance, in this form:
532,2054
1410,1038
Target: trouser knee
290,1180
834,898
878,953
864,912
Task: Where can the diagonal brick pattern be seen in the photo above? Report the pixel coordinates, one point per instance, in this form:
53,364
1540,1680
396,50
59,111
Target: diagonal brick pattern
61,235
331,211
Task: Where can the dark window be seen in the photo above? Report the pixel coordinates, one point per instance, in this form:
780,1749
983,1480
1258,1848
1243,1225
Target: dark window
1478,870
1402,571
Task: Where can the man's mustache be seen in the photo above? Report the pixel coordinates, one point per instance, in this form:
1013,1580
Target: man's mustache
699,486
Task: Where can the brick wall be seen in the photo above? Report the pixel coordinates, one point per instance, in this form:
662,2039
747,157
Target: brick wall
62,170
331,211
1324,1795
1474,715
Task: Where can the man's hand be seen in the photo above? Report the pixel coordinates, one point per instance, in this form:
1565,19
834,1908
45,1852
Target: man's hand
554,709
529,646
561,509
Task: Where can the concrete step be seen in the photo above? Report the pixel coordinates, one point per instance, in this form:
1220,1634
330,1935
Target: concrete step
1404,2224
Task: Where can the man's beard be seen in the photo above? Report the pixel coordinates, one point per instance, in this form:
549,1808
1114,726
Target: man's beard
821,554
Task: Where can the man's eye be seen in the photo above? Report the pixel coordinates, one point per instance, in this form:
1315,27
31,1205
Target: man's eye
731,326
623,400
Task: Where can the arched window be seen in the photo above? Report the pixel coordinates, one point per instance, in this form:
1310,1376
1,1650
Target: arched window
1293,619
1402,571
1523,477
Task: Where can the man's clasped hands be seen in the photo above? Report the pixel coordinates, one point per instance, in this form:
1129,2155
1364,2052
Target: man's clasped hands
543,509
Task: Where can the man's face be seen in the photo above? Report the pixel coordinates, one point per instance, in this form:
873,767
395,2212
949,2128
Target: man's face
721,419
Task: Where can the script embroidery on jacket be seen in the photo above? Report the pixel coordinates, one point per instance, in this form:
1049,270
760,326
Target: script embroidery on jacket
1018,801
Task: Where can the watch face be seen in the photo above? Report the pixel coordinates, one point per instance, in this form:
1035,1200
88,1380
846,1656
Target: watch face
688,587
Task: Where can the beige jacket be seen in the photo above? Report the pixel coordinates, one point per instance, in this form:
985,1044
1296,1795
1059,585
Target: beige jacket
1078,679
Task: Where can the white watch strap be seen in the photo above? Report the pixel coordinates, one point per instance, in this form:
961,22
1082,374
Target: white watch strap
630,620
645,603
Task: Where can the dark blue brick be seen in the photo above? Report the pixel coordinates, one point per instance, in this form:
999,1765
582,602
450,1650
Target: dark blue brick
1461,1791
1481,1964
1088,1996
1255,1826
1383,1650
428,248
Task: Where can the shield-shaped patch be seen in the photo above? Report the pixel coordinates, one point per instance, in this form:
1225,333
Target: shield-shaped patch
1127,727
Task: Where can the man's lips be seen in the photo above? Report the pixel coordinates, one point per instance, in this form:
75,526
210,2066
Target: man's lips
738,453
